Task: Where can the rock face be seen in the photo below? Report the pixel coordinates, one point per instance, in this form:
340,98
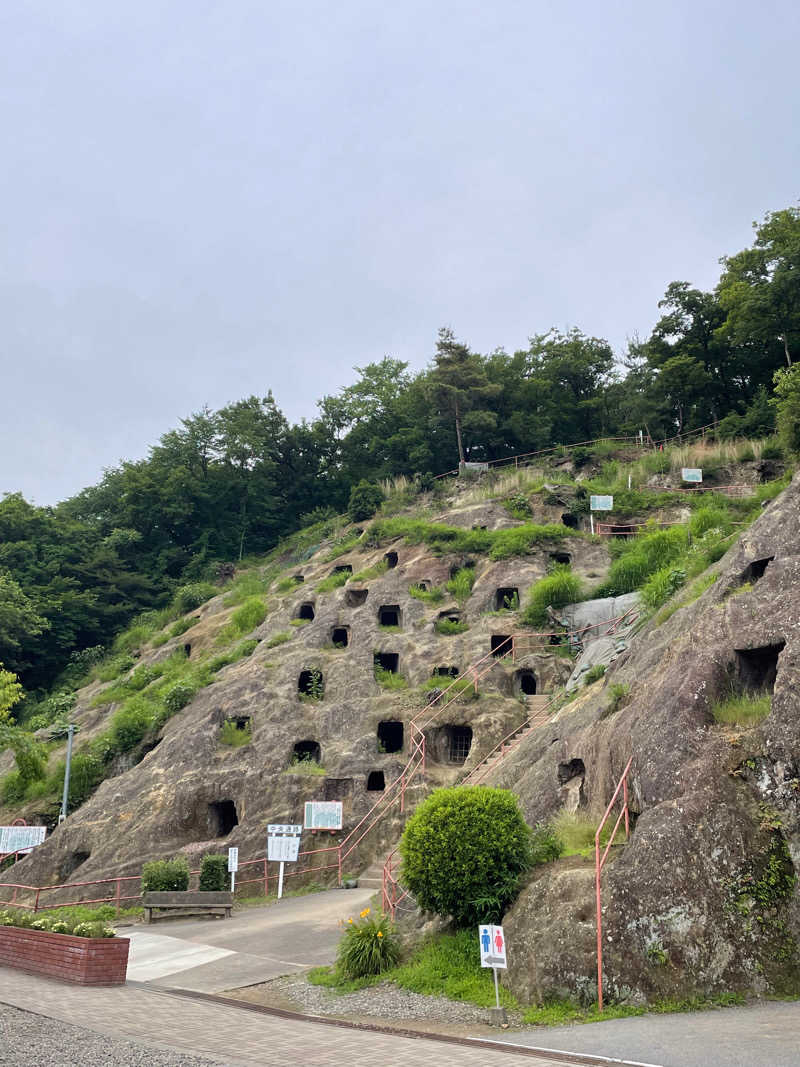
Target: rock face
193,794
703,898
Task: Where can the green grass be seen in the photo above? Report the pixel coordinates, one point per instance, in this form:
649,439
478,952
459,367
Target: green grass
576,833
448,628
460,585
561,1012
333,581
662,585
244,587
371,572
298,623
695,590
429,596
498,544
560,587
744,709
309,767
344,546
279,639
390,679
460,687
248,616
235,737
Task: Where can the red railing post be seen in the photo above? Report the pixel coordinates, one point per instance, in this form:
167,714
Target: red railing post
119,893
266,880
36,901
597,871
339,862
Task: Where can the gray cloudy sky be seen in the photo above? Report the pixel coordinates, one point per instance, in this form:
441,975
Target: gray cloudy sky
201,200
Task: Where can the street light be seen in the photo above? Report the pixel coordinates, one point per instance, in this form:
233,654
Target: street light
63,813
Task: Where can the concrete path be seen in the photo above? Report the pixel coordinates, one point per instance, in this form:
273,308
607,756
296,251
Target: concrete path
234,1036
212,955
757,1035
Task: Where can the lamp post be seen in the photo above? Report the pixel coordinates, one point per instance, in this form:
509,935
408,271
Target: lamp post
63,813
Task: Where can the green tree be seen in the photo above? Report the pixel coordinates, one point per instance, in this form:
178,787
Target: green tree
460,387
464,851
787,403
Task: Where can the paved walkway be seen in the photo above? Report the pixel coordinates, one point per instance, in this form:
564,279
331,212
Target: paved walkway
234,1036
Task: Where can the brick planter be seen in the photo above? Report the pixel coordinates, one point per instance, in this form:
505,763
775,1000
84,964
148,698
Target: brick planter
84,960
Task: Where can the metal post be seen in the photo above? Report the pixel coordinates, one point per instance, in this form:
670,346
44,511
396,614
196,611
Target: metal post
233,881
70,733
599,923
496,990
280,881
625,804
591,520
266,880
119,893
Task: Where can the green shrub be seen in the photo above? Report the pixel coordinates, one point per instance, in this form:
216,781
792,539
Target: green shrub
214,874
660,586
235,736
86,774
522,539
278,639
560,587
464,851
456,687
390,680
430,596
594,674
499,544
129,725
772,450
333,581
54,924
371,572
132,638
460,585
143,675
112,668
365,499
165,876
742,709
305,765
519,506
369,946
190,597
316,686
642,556
546,845
248,616
178,696
618,693
180,627
447,627
709,517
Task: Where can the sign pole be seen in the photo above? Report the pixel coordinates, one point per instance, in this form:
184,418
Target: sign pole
591,520
280,881
233,881
65,797
496,990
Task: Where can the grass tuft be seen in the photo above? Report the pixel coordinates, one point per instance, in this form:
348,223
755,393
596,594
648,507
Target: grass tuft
743,709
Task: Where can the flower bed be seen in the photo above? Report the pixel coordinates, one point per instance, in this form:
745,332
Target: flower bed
85,960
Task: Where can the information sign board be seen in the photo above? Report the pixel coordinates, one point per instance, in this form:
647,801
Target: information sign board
601,503
283,849
233,860
691,474
21,838
323,815
493,946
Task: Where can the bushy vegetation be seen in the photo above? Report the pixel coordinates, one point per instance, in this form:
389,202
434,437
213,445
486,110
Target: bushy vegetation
165,876
190,597
333,581
497,544
369,946
558,588
56,925
460,585
434,595
742,709
214,877
248,616
233,735
464,851
365,499
594,674
390,680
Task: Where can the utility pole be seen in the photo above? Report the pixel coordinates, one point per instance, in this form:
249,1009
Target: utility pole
70,733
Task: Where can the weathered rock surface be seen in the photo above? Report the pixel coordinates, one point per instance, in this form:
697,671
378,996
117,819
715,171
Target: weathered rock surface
703,898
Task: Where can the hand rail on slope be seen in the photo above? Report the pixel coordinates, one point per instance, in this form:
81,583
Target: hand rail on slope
600,862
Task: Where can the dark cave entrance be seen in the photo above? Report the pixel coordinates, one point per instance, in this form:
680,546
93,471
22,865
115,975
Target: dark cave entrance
222,817
390,736
758,667
376,783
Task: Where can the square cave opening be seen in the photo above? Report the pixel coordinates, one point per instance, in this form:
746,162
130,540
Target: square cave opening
306,611
450,743
354,598
390,736
340,636
376,782
757,668
222,817
445,672
338,788
500,645
390,559
387,661
389,615
506,598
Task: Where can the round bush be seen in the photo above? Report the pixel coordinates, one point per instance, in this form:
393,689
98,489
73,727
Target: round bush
177,697
365,499
214,874
189,597
464,851
165,876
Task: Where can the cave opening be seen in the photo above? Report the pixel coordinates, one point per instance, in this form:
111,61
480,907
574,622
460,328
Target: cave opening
758,667
389,615
307,752
311,684
506,598
390,736
222,817
387,661
500,645
390,559
354,598
376,783
306,611
570,520
525,682
340,636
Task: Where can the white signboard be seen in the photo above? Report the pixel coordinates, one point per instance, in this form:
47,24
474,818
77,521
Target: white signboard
493,946
284,828
233,860
691,474
21,838
323,815
283,849
601,503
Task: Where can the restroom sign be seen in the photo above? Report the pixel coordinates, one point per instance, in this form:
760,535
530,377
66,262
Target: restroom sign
492,943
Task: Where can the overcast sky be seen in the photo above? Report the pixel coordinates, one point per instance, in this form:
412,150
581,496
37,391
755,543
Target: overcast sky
202,200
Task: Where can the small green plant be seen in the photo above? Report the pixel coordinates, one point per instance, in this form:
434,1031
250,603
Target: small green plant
234,735
314,687
661,585
180,627
656,954
518,506
248,616
306,765
618,693
298,623
594,674
365,499
742,709
178,696
576,831
213,874
390,680
278,639
429,596
333,581
369,946
285,585
460,585
371,572
559,588
165,876
189,597
448,627
546,845
464,688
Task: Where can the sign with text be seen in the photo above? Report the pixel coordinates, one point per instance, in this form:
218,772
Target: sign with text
691,474
493,946
21,838
283,849
284,828
233,860
601,503
323,815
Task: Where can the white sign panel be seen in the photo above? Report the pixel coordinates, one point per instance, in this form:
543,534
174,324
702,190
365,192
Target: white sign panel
21,838
283,849
691,474
601,503
233,860
323,815
284,828
493,946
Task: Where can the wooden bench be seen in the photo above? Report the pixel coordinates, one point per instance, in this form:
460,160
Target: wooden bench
181,904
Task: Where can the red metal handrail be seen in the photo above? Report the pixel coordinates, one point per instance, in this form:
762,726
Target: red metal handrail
600,861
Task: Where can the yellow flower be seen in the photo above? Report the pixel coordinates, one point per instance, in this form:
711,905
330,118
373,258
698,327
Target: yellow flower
349,920
365,913
380,934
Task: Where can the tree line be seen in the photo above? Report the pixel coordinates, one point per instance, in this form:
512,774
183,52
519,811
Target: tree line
232,482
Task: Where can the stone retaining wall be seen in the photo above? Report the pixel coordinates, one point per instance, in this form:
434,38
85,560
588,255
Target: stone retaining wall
83,960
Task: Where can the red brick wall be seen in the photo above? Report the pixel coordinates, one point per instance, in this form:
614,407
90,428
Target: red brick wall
85,960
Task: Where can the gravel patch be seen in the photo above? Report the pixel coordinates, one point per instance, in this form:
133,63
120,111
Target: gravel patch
27,1039
386,1001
